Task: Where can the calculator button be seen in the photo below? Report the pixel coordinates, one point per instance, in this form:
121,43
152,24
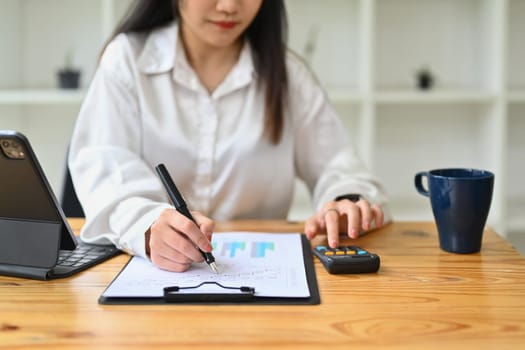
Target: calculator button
350,252
329,253
339,252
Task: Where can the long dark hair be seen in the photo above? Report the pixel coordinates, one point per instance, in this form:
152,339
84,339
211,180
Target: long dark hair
267,35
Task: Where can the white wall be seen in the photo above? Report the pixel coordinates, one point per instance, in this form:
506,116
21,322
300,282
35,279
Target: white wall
10,44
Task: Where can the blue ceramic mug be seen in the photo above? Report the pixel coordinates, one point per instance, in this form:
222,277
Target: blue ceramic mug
460,200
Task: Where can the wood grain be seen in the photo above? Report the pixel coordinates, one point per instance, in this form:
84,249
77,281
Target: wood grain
421,298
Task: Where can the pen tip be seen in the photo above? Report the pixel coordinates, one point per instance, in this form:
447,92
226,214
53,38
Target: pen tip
214,267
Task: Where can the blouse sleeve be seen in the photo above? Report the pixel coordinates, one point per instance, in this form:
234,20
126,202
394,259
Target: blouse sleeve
325,158
118,190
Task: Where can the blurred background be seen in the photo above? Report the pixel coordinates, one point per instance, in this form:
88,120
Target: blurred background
419,84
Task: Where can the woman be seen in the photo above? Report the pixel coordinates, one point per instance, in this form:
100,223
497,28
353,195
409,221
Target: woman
207,88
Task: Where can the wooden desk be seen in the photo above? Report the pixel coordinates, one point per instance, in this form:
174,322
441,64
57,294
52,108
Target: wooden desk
422,298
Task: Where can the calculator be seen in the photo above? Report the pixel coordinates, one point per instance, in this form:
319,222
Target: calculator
347,259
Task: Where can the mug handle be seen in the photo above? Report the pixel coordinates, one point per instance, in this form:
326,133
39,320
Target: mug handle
418,181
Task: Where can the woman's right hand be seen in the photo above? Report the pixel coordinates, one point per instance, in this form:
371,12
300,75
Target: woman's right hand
173,241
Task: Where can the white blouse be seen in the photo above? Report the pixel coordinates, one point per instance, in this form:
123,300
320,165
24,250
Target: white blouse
146,106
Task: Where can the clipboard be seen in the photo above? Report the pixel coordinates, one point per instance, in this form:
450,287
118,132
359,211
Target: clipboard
224,294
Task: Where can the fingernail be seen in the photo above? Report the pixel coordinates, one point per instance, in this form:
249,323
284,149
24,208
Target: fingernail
353,233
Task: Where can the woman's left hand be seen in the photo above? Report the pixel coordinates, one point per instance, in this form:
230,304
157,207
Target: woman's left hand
344,216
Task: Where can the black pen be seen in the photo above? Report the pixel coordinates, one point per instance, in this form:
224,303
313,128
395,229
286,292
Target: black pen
180,205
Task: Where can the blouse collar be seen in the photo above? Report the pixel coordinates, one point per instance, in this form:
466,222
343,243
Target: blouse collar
163,52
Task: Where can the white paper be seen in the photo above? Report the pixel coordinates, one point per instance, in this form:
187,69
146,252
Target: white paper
272,263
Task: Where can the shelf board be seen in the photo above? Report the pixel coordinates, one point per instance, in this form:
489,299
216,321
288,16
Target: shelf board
337,96
344,96
433,96
516,96
41,96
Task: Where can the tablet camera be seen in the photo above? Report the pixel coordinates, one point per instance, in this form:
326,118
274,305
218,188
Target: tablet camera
12,149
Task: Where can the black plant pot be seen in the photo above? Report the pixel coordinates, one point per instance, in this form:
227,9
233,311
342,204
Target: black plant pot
425,80
68,79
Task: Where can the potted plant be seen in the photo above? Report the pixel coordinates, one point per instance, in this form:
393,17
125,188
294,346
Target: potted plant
68,75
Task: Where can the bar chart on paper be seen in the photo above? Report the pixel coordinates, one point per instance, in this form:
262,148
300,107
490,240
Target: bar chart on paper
271,263
256,249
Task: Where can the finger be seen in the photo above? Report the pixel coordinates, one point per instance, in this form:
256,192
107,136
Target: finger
175,243
186,226
164,247
319,217
169,243
168,264
366,214
167,239
311,227
331,219
353,217
172,255
379,216
206,225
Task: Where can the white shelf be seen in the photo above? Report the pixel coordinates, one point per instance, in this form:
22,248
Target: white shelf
338,96
434,96
345,96
366,54
40,97
516,96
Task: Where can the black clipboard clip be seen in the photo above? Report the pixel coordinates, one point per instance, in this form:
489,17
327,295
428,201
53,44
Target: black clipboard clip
178,294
